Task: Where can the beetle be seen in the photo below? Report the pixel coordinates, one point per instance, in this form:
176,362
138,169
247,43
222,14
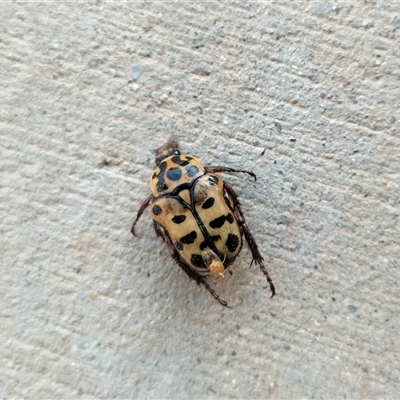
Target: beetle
199,216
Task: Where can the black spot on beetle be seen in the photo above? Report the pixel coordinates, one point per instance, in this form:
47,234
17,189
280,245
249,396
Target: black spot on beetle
232,242
208,203
189,238
218,222
163,167
178,219
174,174
192,170
197,261
179,246
204,244
213,180
157,210
161,185
179,160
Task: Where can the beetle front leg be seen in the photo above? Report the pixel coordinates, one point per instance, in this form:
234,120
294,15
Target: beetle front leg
143,206
257,257
216,169
194,275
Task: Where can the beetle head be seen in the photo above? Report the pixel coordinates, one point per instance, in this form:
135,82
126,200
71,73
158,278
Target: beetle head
170,149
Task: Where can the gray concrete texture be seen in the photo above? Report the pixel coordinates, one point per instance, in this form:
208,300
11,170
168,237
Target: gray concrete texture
306,95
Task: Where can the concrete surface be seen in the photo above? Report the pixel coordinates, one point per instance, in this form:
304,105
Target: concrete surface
305,94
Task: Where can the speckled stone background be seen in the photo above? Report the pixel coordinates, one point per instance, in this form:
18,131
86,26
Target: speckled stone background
305,94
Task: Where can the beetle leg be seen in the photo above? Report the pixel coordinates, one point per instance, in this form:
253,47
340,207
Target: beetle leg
216,169
257,257
194,275
144,205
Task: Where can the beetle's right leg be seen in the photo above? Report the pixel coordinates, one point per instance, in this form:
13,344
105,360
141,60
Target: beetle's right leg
194,275
144,205
257,257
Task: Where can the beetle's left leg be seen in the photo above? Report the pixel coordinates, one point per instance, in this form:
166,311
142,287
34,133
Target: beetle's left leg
216,169
257,257
144,205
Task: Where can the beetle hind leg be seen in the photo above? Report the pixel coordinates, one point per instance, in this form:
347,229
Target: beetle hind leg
257,257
